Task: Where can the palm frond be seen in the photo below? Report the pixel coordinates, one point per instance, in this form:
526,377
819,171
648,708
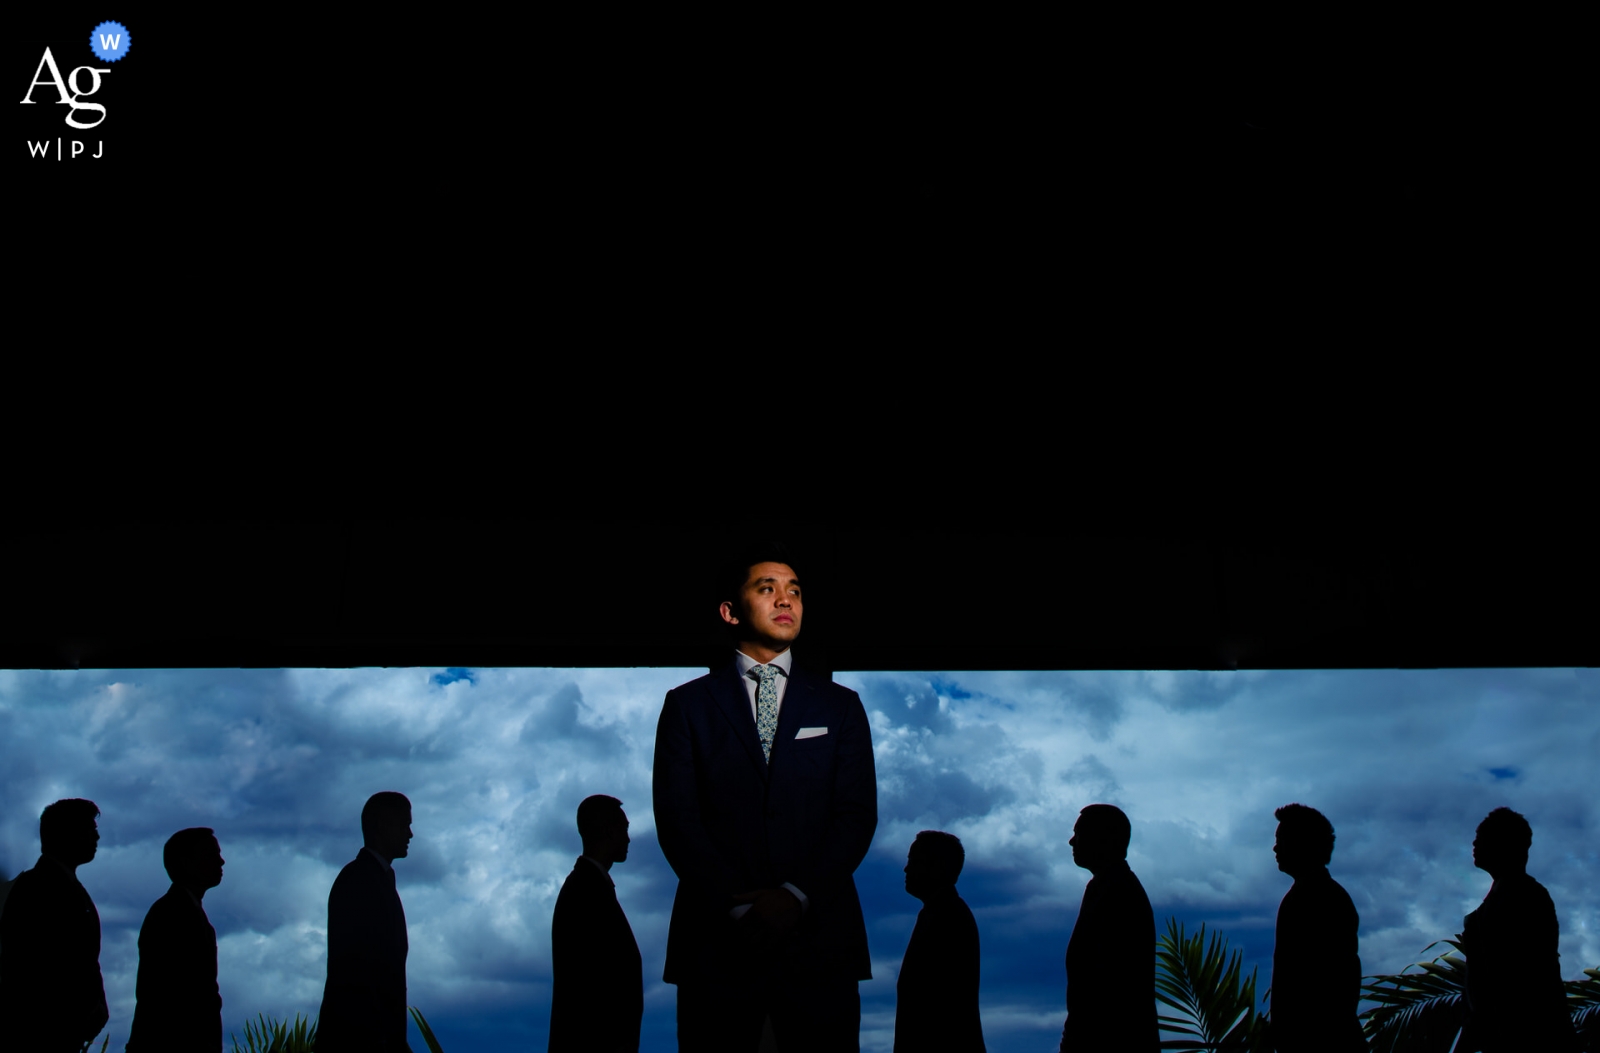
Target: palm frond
1583,1001
427,1032
1202,982
268,1035
1417,1012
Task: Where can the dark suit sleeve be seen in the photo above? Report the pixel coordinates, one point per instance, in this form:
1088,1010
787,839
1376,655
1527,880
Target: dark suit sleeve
680,829
853,817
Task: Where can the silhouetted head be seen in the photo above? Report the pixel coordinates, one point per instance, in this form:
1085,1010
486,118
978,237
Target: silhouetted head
761,599
193,858
934,863
1100,836
386,824
1304,839
1502,844
603,825
68,832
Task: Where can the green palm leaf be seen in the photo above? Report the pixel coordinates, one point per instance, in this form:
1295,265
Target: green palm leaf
1417,1012
1202,982
1583,1001
267,1035
427,1032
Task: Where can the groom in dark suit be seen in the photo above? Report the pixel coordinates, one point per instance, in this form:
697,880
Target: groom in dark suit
364,1001
765,804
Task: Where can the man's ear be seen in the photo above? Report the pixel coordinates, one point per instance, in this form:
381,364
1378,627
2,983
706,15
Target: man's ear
727,613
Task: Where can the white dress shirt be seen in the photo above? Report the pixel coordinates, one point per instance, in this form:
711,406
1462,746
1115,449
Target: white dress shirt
749,673
752,681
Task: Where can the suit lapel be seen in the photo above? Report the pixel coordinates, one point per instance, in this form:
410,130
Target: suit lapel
798,701
734,701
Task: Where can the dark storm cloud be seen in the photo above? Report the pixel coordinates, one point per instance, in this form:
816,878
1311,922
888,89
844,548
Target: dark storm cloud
279,763
1404,763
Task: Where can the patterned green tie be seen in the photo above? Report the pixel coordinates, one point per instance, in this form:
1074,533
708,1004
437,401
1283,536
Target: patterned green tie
767,708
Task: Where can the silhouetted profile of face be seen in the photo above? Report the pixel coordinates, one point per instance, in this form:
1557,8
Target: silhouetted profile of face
203,870
1099,837
919,879
1293,853
768,609
614,842
393,827
933,864
79,843
1501,843
208,871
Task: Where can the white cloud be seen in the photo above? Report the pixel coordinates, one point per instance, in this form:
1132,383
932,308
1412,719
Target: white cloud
279,762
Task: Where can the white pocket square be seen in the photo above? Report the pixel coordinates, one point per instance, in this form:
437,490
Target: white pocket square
810,733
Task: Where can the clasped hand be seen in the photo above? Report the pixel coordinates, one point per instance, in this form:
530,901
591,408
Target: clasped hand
773,912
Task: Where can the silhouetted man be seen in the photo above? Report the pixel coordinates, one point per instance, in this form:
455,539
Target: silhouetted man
766,800
1515,997
1111,958
936,996
597,990
1316,965
51,994
180,1005
364,1001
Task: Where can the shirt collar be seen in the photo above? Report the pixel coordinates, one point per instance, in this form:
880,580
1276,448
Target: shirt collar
783,663
387,866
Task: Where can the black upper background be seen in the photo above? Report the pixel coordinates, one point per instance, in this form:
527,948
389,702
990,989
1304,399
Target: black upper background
120,590
882,150
558,181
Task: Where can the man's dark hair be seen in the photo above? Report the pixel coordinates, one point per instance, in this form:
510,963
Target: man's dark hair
1111,821
944,854
63,819
382,803
596,814
1309,828
737,570
1507,829
186,848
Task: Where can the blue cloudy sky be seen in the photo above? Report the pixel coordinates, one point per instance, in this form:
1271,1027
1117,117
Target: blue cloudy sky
495,761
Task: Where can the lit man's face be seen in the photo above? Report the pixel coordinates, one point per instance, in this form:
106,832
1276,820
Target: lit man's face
769,606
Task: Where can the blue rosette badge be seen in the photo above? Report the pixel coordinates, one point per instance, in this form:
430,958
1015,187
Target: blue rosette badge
109,41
